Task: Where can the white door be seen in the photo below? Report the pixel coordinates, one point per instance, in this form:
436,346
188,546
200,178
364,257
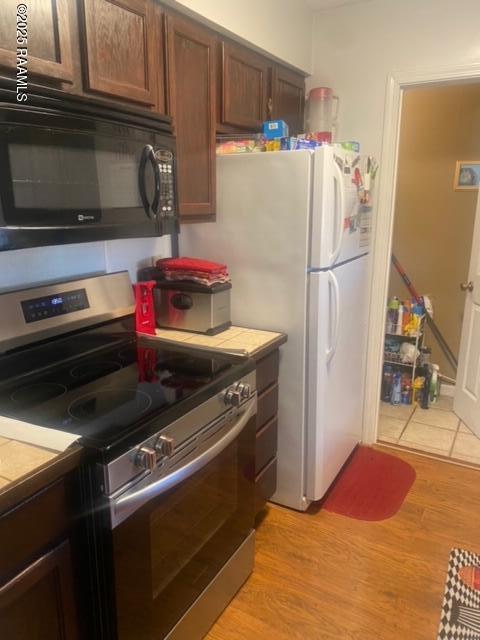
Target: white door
337,334
467,390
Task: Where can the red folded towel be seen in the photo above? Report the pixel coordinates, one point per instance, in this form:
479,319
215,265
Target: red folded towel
192,265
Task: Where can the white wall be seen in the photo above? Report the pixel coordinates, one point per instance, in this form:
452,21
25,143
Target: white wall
134,254
41,264
282,28
356,46
29,266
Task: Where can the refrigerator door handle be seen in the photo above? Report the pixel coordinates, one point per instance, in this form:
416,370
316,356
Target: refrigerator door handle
335,319
339,208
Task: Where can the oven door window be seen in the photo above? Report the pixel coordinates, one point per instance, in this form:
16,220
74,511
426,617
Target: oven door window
167,552
56,178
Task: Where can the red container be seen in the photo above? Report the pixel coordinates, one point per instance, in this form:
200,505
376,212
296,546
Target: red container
321,113
144,308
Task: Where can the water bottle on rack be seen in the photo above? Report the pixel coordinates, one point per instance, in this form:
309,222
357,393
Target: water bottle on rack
387,382
434,383
392,315
397,388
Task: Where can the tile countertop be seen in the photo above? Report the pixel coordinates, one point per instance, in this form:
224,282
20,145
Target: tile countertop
17,459
26,469
251,342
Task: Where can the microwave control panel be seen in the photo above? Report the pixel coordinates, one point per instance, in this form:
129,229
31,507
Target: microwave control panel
165,160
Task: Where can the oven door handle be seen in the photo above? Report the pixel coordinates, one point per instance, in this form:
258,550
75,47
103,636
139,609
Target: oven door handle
126,504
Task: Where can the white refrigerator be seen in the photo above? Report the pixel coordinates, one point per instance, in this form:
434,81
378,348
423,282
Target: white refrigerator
296,241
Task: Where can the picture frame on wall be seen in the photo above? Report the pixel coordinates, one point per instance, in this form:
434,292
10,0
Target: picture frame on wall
467,175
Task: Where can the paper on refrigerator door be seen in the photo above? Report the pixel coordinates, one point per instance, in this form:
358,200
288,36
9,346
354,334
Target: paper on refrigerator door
35,434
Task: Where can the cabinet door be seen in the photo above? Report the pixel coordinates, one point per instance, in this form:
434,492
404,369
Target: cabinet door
39,602
288,98
120,43
191,100
48,38
244,87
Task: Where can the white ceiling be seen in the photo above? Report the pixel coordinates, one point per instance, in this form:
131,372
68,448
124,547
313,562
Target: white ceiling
317,5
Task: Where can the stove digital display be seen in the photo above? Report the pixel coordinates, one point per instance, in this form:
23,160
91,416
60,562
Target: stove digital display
56,305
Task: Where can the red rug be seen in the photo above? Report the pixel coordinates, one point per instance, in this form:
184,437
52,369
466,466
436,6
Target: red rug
372,486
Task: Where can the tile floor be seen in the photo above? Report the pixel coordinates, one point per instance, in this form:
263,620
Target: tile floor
436,430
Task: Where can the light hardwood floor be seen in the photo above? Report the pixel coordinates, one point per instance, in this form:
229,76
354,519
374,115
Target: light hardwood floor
320,576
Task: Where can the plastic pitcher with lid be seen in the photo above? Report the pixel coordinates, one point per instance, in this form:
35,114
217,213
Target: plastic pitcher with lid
322,112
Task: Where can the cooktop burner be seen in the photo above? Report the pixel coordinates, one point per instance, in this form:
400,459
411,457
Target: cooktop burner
36,393
119,405
128,354
109,384
94,369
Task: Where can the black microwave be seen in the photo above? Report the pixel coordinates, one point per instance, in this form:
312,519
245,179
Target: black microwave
72,170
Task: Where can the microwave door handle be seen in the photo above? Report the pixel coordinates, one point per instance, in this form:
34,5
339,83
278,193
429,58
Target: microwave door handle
141,179
126,504
158,180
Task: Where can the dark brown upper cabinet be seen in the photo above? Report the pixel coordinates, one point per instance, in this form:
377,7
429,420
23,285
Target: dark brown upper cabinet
191,102
137,51
48,39
244,80
120,44
288,98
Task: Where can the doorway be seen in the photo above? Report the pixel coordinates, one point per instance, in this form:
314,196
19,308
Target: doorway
400,88
433,226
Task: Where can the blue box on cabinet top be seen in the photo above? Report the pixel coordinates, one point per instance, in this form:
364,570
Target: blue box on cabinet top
275,129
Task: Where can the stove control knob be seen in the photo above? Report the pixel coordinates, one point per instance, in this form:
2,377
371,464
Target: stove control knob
146,458
244,390
165,446
232,397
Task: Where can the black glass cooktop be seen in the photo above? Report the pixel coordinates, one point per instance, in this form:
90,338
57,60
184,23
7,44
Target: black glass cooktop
100,384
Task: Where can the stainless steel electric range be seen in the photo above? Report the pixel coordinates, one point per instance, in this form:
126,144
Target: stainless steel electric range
168,494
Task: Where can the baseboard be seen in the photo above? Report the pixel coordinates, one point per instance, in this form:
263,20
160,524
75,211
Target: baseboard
447,390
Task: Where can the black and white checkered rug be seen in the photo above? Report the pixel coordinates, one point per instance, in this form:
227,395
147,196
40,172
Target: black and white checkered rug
460,618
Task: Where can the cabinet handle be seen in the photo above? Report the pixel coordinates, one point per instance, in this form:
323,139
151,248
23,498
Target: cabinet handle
270,107
466,286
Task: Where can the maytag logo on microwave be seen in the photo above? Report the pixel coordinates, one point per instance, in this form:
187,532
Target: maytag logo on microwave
81,217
